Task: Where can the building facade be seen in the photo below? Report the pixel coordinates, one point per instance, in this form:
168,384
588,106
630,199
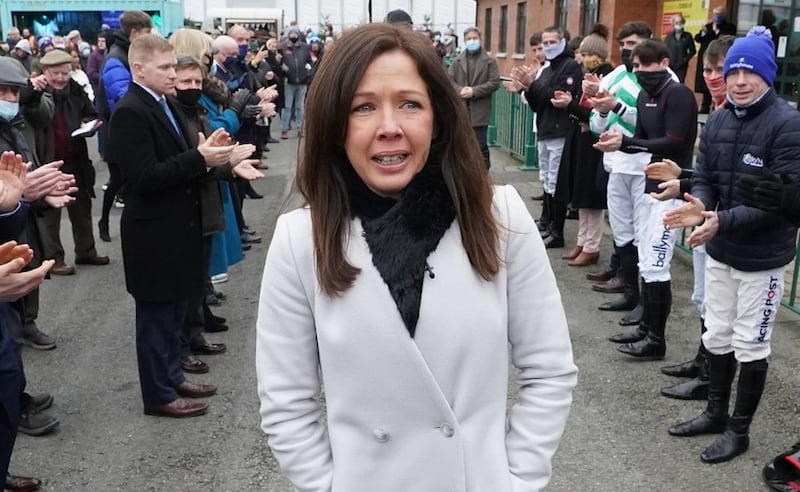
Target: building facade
508,24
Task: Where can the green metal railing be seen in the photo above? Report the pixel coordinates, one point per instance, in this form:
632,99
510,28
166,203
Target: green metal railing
511,129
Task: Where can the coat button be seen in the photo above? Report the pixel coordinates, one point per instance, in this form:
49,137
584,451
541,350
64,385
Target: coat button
446,430
381,435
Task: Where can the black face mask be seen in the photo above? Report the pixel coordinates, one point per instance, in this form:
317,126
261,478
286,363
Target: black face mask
627,59
293,39
651,82
188,97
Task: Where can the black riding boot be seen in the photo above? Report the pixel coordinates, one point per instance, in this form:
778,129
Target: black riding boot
544,219
653,346
697,369
735,440
628,258
714,418
640,331
558,214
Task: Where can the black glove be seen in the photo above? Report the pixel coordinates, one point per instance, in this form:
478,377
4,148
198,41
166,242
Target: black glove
764,192
251,111
239,100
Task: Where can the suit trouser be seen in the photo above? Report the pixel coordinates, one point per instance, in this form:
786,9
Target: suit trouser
158,325
625,196
80,215
741,308
192,332
12,383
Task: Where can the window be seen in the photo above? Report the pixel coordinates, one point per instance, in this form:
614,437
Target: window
522,23
562,9
590,10
503,28
487,30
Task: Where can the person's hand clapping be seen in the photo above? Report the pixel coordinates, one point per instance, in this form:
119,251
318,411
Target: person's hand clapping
687,215
669,189
48,180
14,283
241,152
609,141
591,84
561,99
268,94
268,110
765,192
214,154
239,100
603,101
58,201
663,170
12,180
246,170
704,233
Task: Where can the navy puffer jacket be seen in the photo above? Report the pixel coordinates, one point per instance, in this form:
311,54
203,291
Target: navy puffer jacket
765,137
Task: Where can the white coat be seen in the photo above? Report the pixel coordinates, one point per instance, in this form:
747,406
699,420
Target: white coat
414,414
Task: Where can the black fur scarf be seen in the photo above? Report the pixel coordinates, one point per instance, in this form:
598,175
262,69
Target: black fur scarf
401,234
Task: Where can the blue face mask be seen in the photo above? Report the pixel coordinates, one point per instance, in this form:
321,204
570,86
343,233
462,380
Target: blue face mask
719,18
473,45
9,110
243,51
230,61
554,50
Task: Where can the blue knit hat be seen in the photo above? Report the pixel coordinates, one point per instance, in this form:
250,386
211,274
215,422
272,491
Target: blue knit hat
754,52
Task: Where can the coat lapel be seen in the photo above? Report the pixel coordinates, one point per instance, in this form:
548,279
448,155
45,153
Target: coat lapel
161,117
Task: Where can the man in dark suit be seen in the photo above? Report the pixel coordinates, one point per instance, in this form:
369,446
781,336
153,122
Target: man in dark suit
716,27
160,227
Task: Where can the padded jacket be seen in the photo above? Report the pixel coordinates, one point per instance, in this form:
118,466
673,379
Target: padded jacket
563,74
763,138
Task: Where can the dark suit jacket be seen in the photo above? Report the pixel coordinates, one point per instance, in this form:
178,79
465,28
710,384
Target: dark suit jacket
160,228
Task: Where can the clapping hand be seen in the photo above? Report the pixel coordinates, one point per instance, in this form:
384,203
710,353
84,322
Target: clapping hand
268,94
603,101
561,99
246,170
663,170
48,180
764,192
591,84
687,215
241,152
523,76
213,151
609,141
12,180
14,283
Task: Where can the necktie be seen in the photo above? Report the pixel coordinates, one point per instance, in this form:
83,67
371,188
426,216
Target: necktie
163,103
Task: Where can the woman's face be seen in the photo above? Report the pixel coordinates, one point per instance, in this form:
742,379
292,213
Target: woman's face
272,45
390,125
76,60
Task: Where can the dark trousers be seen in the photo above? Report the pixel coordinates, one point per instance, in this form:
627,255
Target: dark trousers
192,333
481,134
80,215
158,326
237,199
12,383
115,182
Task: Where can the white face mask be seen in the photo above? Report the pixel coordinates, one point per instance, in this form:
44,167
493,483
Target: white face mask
9,110
554,50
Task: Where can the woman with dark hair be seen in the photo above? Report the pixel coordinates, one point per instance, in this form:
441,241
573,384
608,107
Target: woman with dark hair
401,283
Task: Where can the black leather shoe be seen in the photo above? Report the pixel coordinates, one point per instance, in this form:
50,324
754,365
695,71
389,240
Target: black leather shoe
688,369
624,304
216,327
634,317
726,447
693,389
554,240
646,349
192,364
614,285
102,226
629,337
603,276
271,140
209,349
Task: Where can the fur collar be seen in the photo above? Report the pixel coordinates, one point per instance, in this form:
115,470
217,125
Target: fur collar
401,234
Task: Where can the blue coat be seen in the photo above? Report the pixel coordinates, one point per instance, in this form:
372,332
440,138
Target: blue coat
765,138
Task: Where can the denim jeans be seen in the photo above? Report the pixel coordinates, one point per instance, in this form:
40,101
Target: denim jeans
294,95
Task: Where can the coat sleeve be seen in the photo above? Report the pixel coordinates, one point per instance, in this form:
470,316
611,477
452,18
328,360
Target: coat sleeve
783,161
540,349
487,88
132,146
287,367
116,79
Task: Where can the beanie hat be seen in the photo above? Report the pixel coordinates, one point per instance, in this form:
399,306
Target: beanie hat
23,45
399,17
44,42
754,52
12,72
594,44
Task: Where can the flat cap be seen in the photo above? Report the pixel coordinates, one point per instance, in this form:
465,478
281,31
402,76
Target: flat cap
55,57
399,17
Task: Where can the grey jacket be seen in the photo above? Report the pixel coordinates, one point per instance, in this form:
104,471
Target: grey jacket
484,81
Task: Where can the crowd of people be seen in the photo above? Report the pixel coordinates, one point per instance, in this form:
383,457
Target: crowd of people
399,214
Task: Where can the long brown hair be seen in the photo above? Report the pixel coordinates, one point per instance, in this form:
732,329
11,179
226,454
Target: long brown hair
322,158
